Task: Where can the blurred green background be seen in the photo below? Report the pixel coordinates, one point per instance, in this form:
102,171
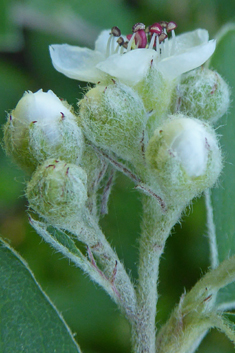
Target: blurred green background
26,30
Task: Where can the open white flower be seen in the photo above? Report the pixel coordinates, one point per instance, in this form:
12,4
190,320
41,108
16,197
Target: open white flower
129,61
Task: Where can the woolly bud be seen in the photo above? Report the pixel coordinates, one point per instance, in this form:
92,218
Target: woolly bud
203,94
184,157
57,192
114,118
156,93
40,127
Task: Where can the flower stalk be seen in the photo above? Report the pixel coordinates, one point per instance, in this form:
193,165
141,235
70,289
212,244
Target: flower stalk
156,228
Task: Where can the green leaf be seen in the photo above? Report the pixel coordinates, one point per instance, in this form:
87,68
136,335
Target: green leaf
29,323
223,196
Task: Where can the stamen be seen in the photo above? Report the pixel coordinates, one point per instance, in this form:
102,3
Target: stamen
137,27
125,45
130,42
161,48
166,50
140,39
163,24
139,35
155,28
158,45
120,41
113,45
154,36
162,37
165,45
172,48
152,42
117,49
171,26
115,31
122,50
147,30
108,45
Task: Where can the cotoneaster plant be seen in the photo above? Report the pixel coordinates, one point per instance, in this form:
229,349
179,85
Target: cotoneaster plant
148,114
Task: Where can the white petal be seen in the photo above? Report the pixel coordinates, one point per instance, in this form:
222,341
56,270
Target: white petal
77,63
131,67
187,138
192,152
101,41
188,40
43,107
176,65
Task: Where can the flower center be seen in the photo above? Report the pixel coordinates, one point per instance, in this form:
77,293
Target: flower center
152,37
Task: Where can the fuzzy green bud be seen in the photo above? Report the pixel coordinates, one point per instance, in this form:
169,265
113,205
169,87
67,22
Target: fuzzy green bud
40,127
57,192
203,94
156,93
184,157
114,118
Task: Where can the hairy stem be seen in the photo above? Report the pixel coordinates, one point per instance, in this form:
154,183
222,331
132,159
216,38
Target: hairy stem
156,228
74,255
214,257
111,266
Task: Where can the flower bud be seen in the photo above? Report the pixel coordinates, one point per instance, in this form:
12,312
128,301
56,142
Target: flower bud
203,94
184,158
114,118
156,93
40,127
57,192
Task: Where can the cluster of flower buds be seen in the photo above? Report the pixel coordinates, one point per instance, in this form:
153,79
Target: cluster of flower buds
150,107
43,135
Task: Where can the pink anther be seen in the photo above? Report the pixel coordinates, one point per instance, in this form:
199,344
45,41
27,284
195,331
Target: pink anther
137,27
141,39
155,28
171,26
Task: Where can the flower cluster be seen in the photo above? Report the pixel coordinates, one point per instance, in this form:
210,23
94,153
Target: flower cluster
149,113
150,107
